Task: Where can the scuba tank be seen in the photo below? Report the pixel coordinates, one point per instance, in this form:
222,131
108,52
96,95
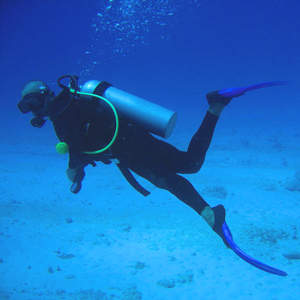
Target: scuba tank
154,118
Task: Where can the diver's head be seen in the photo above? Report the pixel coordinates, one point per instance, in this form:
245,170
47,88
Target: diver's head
36,97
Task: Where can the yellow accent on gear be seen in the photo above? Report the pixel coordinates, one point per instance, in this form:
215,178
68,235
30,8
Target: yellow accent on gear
62,148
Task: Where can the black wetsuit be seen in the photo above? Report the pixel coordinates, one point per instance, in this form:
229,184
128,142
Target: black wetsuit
86,127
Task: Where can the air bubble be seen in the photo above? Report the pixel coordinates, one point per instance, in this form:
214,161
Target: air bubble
121,25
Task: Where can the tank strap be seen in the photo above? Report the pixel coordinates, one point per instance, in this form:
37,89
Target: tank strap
101,88
132,181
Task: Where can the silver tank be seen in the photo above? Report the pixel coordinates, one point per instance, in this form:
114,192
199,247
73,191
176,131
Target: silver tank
155,118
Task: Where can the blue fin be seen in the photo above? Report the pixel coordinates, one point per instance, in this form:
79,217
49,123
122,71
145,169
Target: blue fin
237,91
252,261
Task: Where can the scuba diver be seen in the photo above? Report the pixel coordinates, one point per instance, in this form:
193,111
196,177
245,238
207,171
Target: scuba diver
100,116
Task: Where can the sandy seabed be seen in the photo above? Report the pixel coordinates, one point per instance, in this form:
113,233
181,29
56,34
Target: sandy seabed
109,242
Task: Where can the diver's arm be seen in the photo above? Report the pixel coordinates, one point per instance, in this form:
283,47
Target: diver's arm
76,176
75,171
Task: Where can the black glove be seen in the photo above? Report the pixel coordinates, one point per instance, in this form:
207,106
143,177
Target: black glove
76,186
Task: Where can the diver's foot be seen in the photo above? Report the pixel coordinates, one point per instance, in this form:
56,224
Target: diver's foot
220,215
216,98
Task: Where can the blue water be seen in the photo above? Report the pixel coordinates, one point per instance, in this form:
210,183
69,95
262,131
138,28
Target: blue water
170,52
153,48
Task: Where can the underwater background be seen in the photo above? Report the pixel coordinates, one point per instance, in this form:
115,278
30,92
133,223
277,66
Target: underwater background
108,242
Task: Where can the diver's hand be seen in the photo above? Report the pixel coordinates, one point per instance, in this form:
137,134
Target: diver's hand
76,176
71,173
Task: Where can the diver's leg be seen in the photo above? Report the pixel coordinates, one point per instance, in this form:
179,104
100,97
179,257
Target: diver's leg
201,140
184,191
179,186
190,161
